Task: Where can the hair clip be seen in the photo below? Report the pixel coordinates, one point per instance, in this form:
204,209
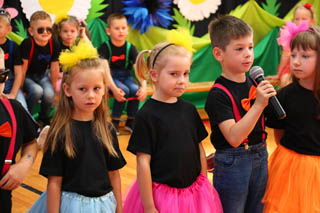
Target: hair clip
307,5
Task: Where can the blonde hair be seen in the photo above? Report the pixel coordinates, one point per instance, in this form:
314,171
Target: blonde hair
157,58
39,15
304,7
72,20
5,17
60,129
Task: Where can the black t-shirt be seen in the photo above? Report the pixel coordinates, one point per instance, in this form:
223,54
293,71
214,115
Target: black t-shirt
120,54
301,128
27,129
87,173
41,57
14,58
219,109
170,133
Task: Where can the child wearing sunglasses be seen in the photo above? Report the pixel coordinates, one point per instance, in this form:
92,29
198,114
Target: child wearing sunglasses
39,53
17,130
12,60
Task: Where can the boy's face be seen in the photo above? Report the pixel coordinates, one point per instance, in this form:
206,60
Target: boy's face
118,30
238,56
41,30
5,28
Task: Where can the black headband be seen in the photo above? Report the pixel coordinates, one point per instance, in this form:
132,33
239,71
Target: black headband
155,57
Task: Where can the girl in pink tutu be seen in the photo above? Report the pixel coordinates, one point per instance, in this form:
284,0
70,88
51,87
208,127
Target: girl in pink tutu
171,164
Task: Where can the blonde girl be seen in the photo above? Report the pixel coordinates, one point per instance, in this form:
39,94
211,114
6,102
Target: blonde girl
81,153
294,168
171,165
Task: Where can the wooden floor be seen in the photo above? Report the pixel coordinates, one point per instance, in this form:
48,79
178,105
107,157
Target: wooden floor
24,198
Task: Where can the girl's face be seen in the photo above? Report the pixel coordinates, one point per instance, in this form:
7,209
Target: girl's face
68,33
303,14
172,80
303,64
86,88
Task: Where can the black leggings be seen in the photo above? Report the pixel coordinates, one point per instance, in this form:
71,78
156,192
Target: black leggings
5,201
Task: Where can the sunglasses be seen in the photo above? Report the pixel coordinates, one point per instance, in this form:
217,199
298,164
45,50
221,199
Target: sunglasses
4,75
5,13
41,30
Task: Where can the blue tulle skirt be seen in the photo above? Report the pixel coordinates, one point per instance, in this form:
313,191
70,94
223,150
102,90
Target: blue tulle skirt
73,202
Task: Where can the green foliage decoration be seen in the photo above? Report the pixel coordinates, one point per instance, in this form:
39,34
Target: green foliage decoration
96,6
21,31
271,6
182,22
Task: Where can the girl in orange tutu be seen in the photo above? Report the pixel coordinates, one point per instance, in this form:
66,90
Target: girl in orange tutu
294,168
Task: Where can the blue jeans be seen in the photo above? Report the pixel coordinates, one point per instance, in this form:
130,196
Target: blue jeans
240,177
20,97
124,81
39,88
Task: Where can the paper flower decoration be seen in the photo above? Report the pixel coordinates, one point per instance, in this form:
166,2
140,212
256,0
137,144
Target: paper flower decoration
143,14
289,31
12,11
77,8
196,10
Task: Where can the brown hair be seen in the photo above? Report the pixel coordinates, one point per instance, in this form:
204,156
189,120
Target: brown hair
114,16
226,28
60,129
157,58
310,39
39,15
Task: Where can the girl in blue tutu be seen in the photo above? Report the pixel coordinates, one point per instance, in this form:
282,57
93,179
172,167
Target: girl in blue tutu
81,152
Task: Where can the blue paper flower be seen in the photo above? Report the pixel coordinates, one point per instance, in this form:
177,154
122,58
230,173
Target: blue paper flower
145,13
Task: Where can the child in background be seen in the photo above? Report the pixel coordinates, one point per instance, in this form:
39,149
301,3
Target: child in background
12,60
121,56
81,152
302,13
17,130
66,30
241,158
40,52
171,163
294,181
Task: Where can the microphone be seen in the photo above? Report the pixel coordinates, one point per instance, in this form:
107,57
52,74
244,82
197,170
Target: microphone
257,74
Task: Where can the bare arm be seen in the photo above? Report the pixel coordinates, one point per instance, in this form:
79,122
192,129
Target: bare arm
145,182
278,134
236,132
54,194
18,75
203,160
117,92
24,69
54,71
17,172
116,185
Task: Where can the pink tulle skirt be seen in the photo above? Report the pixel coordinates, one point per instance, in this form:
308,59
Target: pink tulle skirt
199,197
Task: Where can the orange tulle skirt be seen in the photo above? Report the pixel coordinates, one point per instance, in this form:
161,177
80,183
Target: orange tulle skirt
294,182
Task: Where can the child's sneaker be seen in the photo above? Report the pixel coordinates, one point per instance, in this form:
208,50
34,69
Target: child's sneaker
116,125
129,125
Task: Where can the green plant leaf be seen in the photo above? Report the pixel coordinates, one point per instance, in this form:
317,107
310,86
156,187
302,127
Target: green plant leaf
21,31
271,7
182,22
96,6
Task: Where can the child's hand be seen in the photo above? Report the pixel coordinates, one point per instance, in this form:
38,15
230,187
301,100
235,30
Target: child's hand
265,90
118,94
142,93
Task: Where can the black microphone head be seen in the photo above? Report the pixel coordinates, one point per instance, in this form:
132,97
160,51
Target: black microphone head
256,72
